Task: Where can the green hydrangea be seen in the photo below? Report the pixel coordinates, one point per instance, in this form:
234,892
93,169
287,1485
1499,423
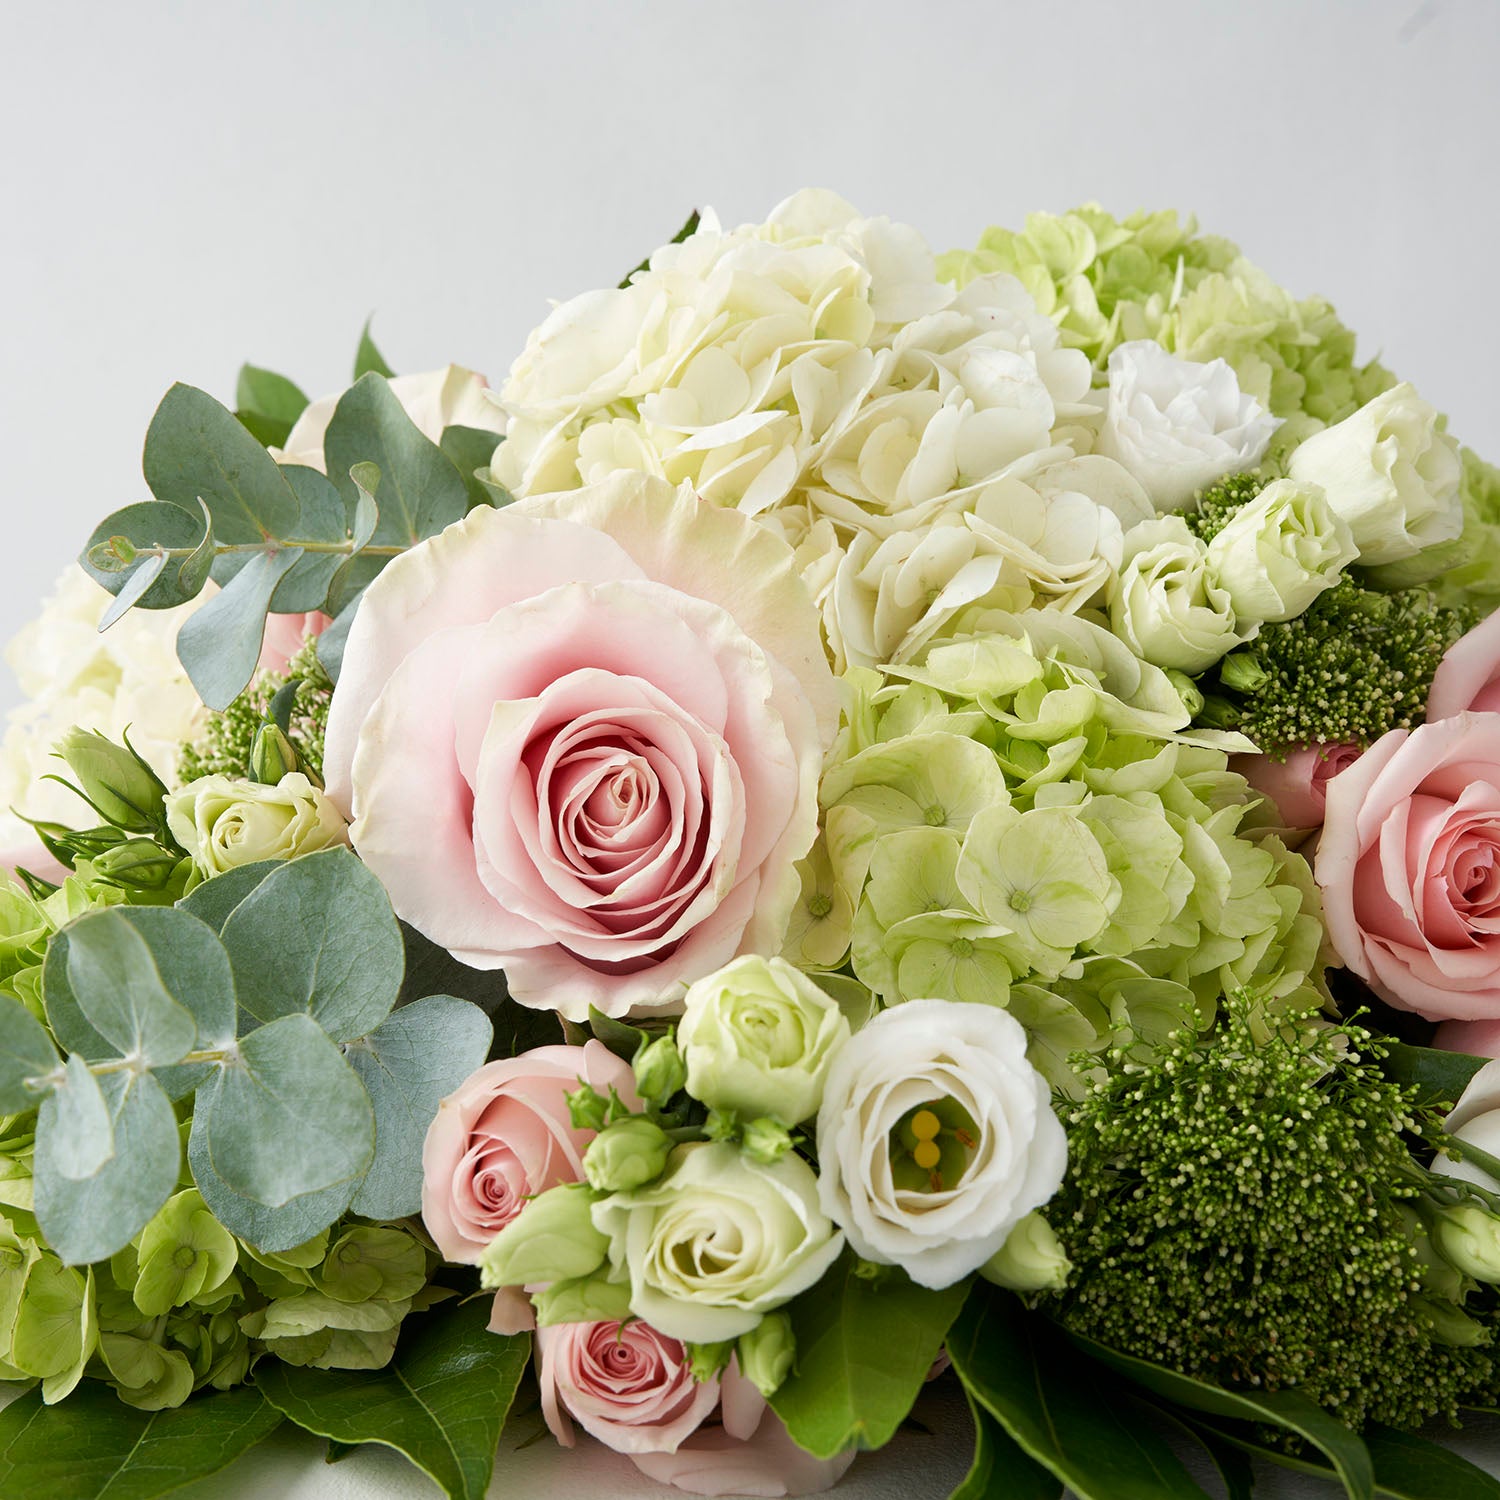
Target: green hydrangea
1239,1207
1467,572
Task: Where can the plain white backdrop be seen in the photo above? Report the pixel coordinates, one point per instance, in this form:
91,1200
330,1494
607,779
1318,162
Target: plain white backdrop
184,186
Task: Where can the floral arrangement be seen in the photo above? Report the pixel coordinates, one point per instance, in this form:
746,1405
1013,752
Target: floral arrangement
860,814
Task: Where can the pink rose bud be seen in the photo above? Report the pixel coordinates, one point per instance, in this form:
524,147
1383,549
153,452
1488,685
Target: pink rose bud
1298,785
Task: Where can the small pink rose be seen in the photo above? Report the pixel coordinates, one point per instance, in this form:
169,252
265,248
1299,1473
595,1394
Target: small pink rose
1477,1038
504,1136
1409,866
1469,676
1298,785
626,1384
286,635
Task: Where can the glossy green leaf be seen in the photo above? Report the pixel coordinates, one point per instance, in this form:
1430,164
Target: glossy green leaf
26,1052
442,1400
864,1347
414,1058
317,937
1001,1469
287,1117
689,228
1068,1414
94,1447
90,1219
1287,1409
471,450
1440,1077
267,403
420,490
367,357
195,448
145,526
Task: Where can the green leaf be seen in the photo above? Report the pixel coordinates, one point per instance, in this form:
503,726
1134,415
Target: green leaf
1067,1413
94,1447
367,357
470,450
324,519
1440,1077
196,449
214,900
146,526
76,1123
432,970
864,1348
26,1052
442,1400
1287,1409
287,1117
268,404
219,645
317,937
139,579
689,228
1001,1469
90,1219
621,1038
420,490
193,572
414,1058
330,646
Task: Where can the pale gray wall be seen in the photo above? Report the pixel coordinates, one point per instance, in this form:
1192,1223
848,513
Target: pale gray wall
183,186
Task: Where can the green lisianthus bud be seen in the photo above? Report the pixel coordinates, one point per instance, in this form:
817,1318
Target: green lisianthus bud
626,1155
272,755
1030,1260
1450,1324
766,1140
122,787
139,865
1242,671
582,1299
659,1070
1470,1237
552,1239
767,1352
588,1109
707,1360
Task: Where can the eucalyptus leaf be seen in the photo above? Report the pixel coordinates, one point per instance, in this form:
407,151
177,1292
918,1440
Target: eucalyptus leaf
287,1117
140,578
324,519
420,490
1440,1077
1072,1416
864,1348
442,1401
75,1122
94,1447
26,1052
411,1061
195,448
220,644
214,900
367,357
90,1219
195,568
148,525
331,642
354,572
471,450
317,937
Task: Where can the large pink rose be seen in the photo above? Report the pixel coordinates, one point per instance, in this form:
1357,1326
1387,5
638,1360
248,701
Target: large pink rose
625,1383
1409,865
505,1135
579,738
1469,677
1297,785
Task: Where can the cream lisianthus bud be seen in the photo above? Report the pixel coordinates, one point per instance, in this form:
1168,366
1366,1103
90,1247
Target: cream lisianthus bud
626,1155
1030,1260
1470,1238
766,1353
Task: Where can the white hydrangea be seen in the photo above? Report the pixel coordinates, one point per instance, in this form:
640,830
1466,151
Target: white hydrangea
127,678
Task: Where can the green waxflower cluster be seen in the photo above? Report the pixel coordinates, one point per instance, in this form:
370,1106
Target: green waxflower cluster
224,746
1245,1208
1025,824
1105,281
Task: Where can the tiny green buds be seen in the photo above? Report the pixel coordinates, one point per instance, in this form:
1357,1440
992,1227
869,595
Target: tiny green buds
766,1353
626,1155
552,1239
765,1140
707,1360
120,786
659,1071
272,755
582,1299
1030,1260
1470,1237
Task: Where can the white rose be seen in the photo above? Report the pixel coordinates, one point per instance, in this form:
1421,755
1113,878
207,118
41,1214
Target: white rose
936,1138
451,397
1179,426
718,1240
1390,474
222,822
1279,552
1167,606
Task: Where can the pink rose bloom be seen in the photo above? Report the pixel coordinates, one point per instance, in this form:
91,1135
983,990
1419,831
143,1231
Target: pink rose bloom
1409,865
626,1384
579,739
1297,785
504,1136
1469,677
286,635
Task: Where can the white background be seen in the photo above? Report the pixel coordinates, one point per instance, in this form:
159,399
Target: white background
183,186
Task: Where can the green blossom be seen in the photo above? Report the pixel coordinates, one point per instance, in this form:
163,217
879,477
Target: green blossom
370,1262
183,1255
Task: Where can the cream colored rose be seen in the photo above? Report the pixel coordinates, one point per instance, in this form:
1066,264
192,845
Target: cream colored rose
222,822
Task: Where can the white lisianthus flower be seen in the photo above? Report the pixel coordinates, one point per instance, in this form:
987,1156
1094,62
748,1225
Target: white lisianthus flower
1178,426
1168,607
223,822
758,1037
936,1138
435,399
718,1240
1390,473
1279,552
